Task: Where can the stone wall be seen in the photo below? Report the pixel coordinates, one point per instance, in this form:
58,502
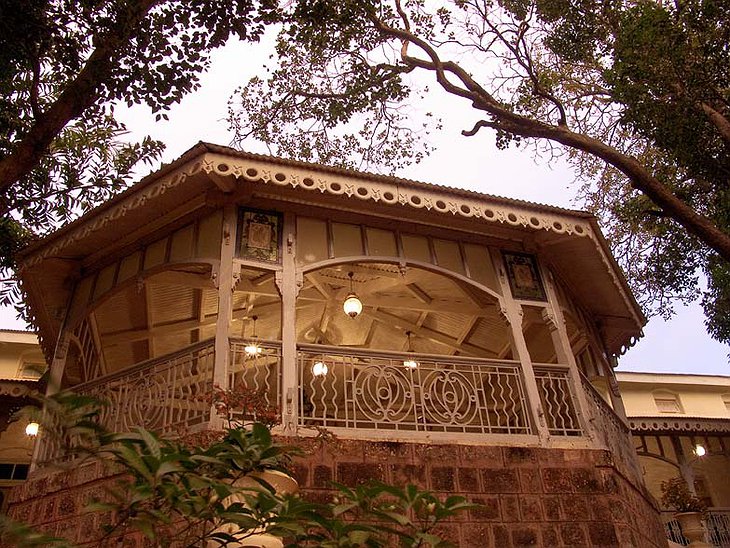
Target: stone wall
530,496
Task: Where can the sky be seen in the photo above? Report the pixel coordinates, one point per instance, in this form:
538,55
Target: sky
474,163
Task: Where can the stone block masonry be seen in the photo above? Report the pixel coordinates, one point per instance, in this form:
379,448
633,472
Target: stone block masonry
528,496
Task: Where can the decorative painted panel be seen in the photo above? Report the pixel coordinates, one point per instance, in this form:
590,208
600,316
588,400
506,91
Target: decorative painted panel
259,235
524,277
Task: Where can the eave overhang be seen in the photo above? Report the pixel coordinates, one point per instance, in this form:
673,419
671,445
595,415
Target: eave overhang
570,242
679,425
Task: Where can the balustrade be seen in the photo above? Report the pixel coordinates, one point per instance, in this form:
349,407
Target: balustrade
558,400
347,388
402,392
166,394
717,528
256,365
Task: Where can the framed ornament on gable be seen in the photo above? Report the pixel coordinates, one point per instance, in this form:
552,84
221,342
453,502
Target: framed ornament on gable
259,235
524,276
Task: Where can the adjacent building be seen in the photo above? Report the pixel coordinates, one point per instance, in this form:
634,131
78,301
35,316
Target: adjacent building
681,427
21,367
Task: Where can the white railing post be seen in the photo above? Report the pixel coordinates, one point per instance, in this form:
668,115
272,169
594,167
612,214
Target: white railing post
289,283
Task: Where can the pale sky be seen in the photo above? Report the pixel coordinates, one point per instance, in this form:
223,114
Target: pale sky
680,345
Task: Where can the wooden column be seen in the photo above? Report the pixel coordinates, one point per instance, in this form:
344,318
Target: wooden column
288,281
555,320
224,281
512,312
617,402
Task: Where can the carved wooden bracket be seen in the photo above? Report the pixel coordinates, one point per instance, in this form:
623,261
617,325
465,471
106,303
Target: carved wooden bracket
549,318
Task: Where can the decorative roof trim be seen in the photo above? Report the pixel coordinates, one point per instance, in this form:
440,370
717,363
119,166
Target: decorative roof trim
209,159
391,191
19,388
698,425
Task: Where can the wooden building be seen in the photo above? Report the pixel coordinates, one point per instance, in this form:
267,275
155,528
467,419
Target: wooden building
475,325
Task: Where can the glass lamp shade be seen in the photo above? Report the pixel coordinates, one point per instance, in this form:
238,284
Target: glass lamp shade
352,305
700,450
410,363
319,369
32,429
252,348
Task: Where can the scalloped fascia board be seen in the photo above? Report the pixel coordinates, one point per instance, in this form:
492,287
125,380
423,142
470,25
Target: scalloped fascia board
680,425
419,196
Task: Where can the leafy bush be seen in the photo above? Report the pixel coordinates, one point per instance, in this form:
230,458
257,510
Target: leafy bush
676,494
193,490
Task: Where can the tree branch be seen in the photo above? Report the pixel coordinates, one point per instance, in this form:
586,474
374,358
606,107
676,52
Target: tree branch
719,121
641,179
81,93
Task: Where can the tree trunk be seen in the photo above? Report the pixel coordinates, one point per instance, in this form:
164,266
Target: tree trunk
80,93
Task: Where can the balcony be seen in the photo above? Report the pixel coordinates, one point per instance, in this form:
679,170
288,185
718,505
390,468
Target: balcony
353,392
717,526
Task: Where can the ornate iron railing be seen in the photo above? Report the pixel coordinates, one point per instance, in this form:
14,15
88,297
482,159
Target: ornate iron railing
375,390
165,394
558,400
611,431
717,522
673,529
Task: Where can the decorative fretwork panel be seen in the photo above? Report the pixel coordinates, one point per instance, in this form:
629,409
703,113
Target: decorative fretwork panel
165,395
89,356
368,390
558,401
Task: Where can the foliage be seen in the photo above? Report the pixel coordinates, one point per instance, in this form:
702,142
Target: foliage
63,66
676,494
242,404
176,492
633,94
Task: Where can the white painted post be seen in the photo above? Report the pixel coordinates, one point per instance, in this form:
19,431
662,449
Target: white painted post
565,353
512,312
288,282
617,402
55,377
225,283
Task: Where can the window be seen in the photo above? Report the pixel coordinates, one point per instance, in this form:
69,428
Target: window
666,402
13,471
32,370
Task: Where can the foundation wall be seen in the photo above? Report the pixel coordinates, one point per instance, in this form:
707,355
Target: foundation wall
530,496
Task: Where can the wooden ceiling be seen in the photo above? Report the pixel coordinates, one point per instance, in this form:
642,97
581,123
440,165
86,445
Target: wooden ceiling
176,308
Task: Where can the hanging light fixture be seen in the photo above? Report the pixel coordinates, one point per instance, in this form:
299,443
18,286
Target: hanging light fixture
252,347
409,362
700,450
352,305
319,368
32,429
